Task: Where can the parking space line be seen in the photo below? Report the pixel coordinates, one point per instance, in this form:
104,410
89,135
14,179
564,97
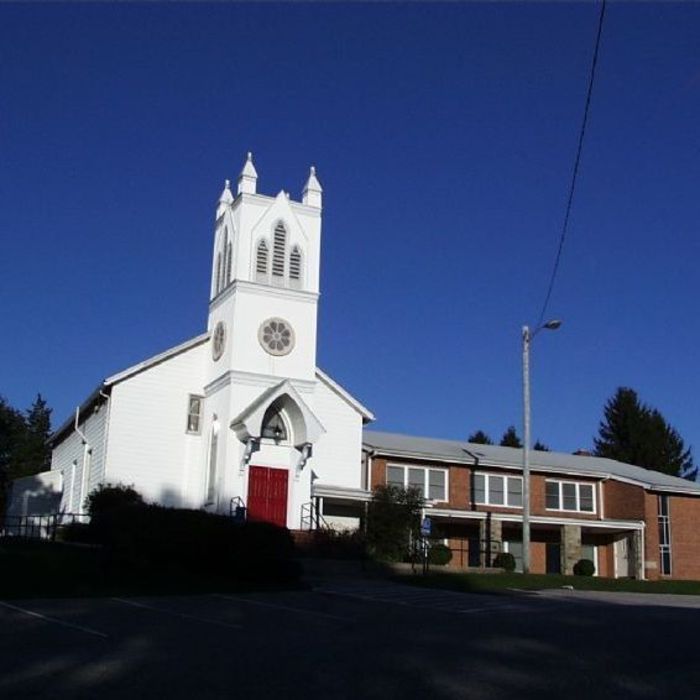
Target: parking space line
185,616
275,606
56,621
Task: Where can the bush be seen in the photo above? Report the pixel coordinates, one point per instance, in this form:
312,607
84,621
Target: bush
584,567
156,539
505,560
335,544
108,497
439,555
393,520
76,532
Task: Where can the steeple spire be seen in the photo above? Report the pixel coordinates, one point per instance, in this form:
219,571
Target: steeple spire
312,194
225,199
247,180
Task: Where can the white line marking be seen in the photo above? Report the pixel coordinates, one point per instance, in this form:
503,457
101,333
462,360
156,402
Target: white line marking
56,621
288,608
185,616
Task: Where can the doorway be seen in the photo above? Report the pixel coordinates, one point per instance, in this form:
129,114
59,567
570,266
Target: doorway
267,495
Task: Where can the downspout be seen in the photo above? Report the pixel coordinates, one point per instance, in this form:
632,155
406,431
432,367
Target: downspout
87,449
108,402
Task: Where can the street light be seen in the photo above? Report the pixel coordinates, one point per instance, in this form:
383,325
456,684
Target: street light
527,339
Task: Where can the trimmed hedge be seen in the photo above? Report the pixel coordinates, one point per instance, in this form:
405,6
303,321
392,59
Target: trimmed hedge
439,555
584,567
505,560
170,540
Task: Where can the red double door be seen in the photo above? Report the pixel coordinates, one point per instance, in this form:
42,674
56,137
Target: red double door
267,495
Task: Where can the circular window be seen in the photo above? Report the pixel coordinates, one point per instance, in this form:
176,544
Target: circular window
219,341
276,336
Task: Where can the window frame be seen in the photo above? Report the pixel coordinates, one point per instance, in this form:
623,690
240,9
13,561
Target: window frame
200,398
560,496
426,479
664,525
487,490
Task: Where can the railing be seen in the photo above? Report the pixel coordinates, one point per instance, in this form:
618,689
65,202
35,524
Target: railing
44,526
311,518
237,509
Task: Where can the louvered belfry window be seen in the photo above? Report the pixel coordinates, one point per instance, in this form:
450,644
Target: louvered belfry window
278,250
261,261
295,264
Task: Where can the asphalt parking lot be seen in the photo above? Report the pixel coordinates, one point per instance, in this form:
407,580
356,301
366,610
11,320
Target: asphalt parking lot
352,640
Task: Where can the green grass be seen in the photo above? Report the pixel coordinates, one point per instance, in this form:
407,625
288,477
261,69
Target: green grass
35,568
502,582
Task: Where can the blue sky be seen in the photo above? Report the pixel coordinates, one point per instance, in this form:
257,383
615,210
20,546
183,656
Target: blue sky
444,136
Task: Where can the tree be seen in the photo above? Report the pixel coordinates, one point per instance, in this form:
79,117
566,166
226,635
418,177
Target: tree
35,454
393,520
540,447
480,438
635,433
12,433
510,438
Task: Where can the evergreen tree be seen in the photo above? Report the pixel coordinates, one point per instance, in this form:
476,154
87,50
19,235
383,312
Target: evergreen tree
510,438
36,453
480,438
635,433
12,435
540,447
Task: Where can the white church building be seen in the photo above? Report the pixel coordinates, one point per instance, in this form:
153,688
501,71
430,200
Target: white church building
241,414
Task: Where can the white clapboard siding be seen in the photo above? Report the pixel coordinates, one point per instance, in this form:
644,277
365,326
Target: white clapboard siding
337,456
149,446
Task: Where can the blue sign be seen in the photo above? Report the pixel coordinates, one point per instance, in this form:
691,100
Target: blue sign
426,526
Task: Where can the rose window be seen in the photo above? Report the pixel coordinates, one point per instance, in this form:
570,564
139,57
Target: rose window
276,336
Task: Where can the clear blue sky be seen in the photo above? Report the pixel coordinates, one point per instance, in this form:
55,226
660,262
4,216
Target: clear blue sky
444,136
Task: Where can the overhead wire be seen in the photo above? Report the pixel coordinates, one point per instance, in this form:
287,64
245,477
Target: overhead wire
577,162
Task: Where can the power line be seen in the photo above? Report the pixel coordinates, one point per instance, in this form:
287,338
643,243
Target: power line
574,174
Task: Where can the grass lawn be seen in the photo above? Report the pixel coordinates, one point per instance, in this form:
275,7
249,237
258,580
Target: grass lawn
493,583
36,568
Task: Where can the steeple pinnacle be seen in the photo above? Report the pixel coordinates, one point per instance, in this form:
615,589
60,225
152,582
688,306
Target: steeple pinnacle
247,180
312,194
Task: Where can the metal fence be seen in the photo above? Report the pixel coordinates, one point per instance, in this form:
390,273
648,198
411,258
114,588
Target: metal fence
39,527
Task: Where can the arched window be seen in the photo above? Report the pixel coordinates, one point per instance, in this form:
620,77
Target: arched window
217,288
295,267
261,262
279,246
229,260
213,450
273,426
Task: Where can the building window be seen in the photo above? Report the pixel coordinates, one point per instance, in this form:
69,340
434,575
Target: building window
273,426
279,247
569,495
213,454
664,536
496,490
430,483
261,262
295,267
194,414
218,272
229,259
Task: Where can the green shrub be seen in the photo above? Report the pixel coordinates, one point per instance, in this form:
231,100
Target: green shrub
439,555
584,567
153,538
505,560
335,544
393,521
108,497
76,532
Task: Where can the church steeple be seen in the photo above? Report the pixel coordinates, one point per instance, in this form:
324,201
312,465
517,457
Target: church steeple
225,199
248,179
312,194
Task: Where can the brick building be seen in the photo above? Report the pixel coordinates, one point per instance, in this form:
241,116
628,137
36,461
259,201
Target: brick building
631,522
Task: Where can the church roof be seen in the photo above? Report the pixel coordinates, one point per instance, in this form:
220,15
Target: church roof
366,414
462,452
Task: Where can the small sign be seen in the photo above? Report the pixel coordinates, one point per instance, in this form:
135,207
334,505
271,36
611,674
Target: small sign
426,526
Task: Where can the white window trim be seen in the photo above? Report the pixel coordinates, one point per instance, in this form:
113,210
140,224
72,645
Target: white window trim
487,490
578,485
426,480
201,409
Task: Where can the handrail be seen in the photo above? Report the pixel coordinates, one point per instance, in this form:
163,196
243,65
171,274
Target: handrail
312,519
